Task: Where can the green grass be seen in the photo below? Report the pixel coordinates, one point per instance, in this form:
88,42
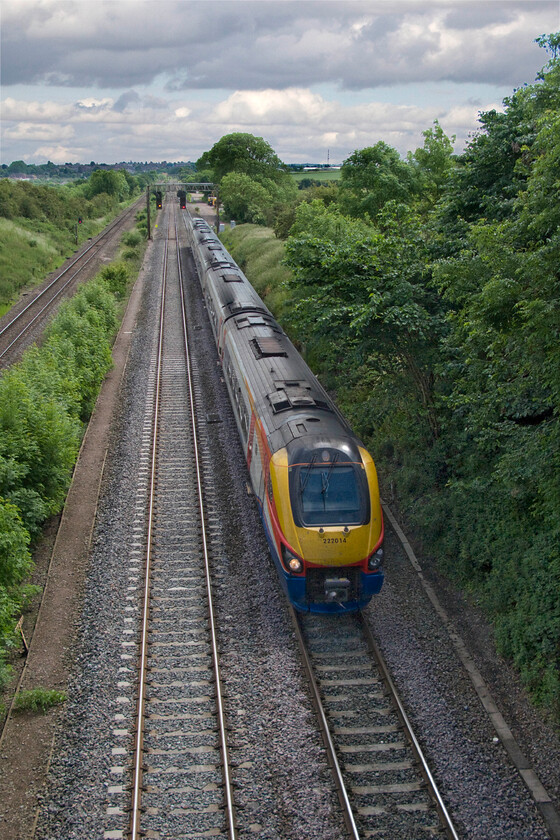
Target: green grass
31,248
27,253
323,175
259,253
38,700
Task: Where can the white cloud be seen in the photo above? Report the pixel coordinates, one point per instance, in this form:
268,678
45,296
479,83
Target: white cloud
297,122
13,109
165,79
270,107
38,131
62,154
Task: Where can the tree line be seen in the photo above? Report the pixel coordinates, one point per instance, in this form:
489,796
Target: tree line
62,204
424,292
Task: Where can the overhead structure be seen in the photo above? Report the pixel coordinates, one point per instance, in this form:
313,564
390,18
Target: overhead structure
174,186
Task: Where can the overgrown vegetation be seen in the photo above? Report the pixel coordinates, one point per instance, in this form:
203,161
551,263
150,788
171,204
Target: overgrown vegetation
425,293
40,227
45,402
254,185
38,700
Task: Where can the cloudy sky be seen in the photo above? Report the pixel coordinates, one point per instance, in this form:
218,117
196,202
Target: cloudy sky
118,80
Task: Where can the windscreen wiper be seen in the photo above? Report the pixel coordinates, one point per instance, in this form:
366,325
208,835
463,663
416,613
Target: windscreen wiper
326,477
307,474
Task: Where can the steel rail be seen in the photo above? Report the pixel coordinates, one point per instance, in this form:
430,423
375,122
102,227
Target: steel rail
135,830
228,785
325,730
446,821
46,306
139,737
92,247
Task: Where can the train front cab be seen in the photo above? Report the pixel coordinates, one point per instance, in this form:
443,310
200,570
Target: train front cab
326,526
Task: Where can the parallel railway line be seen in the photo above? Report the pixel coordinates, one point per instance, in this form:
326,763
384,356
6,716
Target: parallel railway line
25,321
181,778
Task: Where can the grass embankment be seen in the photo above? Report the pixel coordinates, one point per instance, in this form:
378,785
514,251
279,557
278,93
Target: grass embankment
45,403
29,250
259,254
39,230
324,176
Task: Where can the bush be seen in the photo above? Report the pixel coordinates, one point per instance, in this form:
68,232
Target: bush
44,401
116,277
132,239
15,563
82,329
38,447
38,700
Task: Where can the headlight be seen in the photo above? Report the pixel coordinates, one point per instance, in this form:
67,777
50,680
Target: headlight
291,561
375,561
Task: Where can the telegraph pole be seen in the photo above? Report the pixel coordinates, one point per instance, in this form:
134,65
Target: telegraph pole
148,210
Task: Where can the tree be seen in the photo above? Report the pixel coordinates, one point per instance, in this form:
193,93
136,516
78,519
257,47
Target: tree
500,367
242,153
18,167
190,176
373,176
110,181
433,163
370,287
244,199
497,163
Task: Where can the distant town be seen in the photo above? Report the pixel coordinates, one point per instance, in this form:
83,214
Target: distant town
20,170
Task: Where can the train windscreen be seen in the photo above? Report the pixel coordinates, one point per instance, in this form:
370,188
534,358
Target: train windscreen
330,495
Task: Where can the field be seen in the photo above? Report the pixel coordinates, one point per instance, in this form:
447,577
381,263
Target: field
323,175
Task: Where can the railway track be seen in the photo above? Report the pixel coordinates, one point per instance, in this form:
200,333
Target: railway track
385,786
181,782
24,323
174,758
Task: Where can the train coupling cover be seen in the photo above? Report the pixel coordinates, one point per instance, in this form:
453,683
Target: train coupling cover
337,589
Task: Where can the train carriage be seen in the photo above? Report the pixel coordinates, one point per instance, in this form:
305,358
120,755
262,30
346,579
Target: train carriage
315,483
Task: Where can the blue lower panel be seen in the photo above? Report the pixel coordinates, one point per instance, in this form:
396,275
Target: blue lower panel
311,599
297,591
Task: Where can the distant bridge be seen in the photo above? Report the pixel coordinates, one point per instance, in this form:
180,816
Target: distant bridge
169,186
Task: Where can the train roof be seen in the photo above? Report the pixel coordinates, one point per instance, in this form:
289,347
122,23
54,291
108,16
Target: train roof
289,400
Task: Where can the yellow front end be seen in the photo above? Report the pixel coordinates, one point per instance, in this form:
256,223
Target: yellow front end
329,545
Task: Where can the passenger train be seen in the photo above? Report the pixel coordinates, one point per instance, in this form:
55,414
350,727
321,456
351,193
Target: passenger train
315,483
